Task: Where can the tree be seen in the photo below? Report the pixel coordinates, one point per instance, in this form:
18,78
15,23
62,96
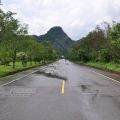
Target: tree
115,42
15,42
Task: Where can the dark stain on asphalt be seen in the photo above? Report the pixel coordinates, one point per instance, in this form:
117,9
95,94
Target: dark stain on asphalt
85,88
52,75
94,96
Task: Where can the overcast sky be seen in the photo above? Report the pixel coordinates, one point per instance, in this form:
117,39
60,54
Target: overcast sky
76,17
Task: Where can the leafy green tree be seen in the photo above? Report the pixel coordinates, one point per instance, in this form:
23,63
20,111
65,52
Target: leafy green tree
17,45
115,42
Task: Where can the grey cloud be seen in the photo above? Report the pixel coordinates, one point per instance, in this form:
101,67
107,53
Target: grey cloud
76,17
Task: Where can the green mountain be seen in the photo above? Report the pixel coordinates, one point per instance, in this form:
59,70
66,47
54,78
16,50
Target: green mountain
58,39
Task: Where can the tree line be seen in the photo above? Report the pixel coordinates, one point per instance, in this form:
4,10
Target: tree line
101,44
17,45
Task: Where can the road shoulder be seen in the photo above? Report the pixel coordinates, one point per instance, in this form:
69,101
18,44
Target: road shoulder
110,74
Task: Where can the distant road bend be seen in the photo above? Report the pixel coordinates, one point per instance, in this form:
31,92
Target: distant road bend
61,91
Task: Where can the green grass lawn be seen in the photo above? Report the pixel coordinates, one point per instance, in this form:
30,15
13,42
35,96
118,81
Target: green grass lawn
5,69
108,66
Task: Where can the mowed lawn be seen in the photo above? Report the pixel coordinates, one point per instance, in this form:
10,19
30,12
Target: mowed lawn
5,69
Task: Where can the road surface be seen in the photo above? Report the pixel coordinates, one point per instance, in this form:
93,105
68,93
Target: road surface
87,95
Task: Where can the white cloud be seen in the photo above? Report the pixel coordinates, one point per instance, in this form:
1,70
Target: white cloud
76,17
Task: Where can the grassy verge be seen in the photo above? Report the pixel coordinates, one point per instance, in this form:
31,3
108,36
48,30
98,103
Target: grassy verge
106,66
4,70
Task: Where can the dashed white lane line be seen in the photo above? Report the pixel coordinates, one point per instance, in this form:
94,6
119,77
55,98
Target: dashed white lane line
106,76
18,78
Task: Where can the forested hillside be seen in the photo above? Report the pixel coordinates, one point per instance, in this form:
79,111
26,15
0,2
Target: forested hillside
58,39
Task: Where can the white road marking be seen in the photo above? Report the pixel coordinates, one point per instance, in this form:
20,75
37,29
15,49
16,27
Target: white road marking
18,78
106,76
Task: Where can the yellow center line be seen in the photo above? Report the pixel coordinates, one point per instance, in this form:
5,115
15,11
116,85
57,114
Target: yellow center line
107,77
63,87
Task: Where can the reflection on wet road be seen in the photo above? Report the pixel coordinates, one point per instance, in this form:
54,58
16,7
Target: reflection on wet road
87,95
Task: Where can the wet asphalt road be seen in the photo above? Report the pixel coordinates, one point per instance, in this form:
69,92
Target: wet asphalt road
88,96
